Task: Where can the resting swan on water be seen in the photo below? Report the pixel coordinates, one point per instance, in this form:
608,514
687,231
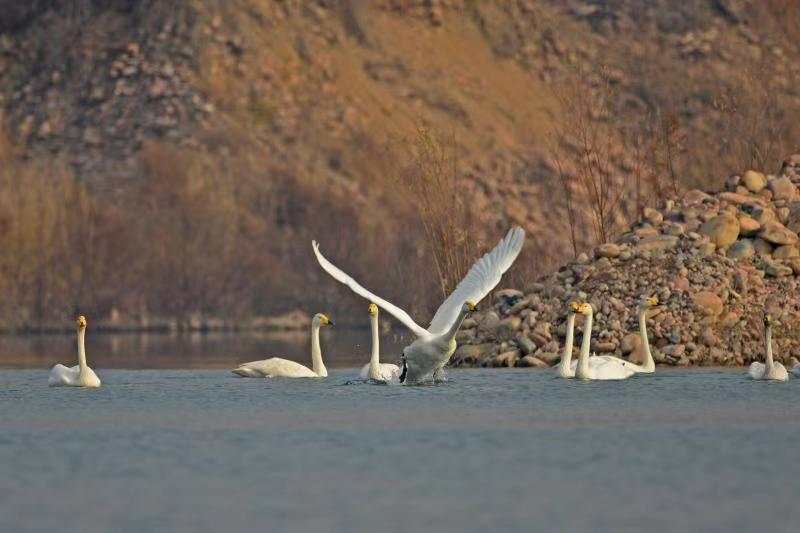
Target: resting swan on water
77,376
425,357
376,370
278,367
567,367
771,370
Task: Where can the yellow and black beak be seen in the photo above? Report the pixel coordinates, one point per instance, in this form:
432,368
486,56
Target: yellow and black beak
471,306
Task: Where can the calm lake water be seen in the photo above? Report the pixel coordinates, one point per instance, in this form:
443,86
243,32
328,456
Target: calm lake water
490,450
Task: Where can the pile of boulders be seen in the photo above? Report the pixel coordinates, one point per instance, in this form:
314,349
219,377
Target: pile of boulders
716,262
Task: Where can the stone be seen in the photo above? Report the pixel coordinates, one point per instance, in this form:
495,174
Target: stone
754,181
508,358
762,247
722,230
741,249
550,358
608,250
471,354
748,226
777,233
653,216
708,303
507,295
530,361
526,345
603,346
777,270
794,264
630,342
488,323
708,337
783,189
785,252
582,258
507,328
695,197
740,199
657,243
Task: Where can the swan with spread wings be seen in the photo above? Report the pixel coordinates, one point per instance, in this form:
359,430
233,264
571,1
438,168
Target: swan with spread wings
433,347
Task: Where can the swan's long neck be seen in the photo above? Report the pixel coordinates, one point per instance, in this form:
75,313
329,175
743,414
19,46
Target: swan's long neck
649,363
566,357
82,365
768,348
316,353
374,360
583,361
451,333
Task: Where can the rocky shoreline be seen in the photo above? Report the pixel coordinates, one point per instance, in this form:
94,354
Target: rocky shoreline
716,262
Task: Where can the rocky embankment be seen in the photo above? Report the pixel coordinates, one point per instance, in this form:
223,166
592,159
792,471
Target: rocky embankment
715,261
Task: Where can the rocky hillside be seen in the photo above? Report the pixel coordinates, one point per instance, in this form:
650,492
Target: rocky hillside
209,141
716,262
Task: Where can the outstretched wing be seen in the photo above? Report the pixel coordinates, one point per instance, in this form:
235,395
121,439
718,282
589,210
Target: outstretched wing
484,275
390,308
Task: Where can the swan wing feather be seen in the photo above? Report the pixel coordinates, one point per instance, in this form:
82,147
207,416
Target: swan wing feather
484,276
354,286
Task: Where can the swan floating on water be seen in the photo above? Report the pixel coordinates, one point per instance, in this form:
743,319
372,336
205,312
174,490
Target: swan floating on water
600,363
278,367
771,370
375,370
649,365
603,367
425,357
77,376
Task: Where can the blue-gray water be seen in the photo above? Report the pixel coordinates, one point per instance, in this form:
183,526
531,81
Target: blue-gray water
490,450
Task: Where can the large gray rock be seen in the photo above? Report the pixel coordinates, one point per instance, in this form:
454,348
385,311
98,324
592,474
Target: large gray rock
531,361
722,230
473,354
786,251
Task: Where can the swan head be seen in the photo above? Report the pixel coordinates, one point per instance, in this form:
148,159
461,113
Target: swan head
574,306
373,310
81,322
321,319
583,308
469,307
767,320
648,302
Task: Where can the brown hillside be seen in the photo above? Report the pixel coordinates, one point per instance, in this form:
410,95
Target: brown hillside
177,158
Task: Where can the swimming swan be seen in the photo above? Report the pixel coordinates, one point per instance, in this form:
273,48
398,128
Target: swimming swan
77,376
772,370
602,367
376,370
567,367
428,354
649,366
278,367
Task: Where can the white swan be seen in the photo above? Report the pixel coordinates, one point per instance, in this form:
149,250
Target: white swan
649,366
599,368
376,370
278,367
77,376
425,357
771,370
567,367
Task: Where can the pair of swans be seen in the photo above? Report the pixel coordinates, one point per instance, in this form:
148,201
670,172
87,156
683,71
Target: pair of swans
424,359
770,370
602,367
279,367
77,376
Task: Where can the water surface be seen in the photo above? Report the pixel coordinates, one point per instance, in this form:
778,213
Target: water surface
491,450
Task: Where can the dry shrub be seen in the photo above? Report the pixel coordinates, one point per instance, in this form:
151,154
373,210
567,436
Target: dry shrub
582,149
431,185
